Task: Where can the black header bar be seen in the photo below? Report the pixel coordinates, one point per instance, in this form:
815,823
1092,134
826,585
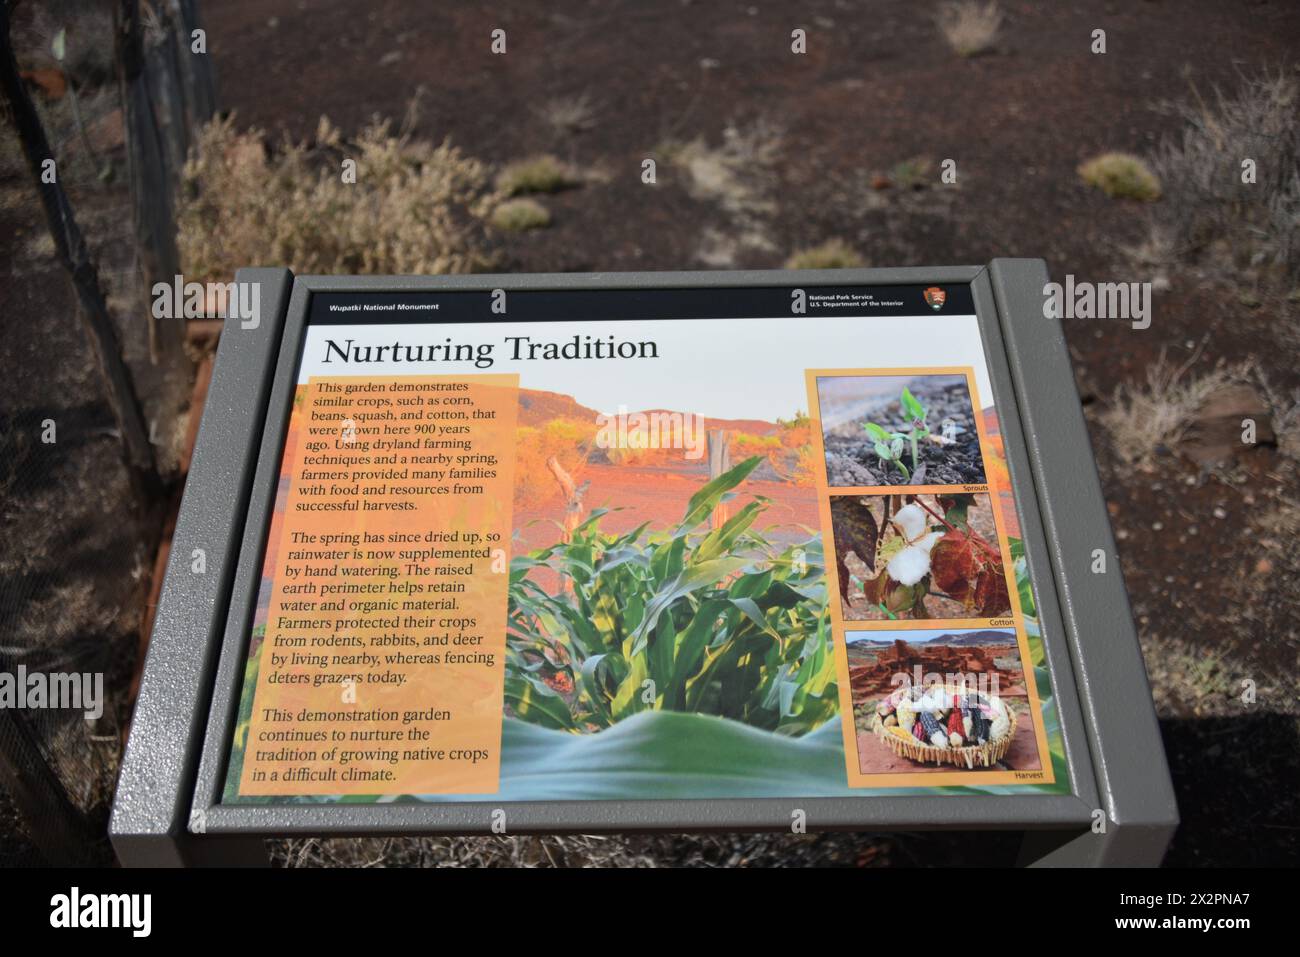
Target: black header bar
613,305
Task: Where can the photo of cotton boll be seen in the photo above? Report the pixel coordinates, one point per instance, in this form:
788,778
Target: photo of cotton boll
918,556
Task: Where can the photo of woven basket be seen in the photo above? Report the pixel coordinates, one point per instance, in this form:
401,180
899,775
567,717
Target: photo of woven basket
905,744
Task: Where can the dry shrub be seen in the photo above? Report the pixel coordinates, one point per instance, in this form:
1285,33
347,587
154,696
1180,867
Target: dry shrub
1146,419
568,440
638,451
1121,176
518,215
568,115
832,254
536,174
789,451
971,28
804,469
739,175
796,431
744,445
414,207
1207,207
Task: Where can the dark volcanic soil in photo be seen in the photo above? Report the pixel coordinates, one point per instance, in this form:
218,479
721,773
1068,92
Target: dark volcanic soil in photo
851,459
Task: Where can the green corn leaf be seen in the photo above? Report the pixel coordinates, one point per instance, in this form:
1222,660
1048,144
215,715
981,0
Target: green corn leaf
531,700
601,675
628,699
703,502
662,647
749,608
720,541
691,643
699,575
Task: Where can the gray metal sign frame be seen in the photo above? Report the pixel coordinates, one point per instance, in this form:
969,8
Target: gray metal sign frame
168,809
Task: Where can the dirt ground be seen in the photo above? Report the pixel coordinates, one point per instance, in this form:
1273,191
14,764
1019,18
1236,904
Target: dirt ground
793,152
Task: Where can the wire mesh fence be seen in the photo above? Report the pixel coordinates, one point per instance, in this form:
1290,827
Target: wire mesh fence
75,551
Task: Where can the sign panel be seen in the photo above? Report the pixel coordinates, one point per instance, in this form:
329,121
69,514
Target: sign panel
640,544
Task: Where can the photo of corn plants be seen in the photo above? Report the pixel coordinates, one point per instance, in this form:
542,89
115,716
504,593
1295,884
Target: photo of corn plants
691,618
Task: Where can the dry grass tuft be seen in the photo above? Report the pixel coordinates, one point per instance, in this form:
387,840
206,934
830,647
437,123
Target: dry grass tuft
739,177
832,254
569,115
537,174
739,174
519,215
1121,176
970,27
1149,419
414,208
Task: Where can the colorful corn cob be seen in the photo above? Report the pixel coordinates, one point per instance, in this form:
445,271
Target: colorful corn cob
933,732
906,716
956,729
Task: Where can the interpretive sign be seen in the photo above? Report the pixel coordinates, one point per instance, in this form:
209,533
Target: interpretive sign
618,552
443,611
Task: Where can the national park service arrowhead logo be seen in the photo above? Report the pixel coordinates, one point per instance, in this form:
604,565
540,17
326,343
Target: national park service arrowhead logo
935,298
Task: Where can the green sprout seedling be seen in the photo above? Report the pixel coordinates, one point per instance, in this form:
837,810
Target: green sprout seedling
889,445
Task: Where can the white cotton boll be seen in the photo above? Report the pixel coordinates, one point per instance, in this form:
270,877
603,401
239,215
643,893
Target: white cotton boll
1000,727
909,566
913,563
939,739
911,519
